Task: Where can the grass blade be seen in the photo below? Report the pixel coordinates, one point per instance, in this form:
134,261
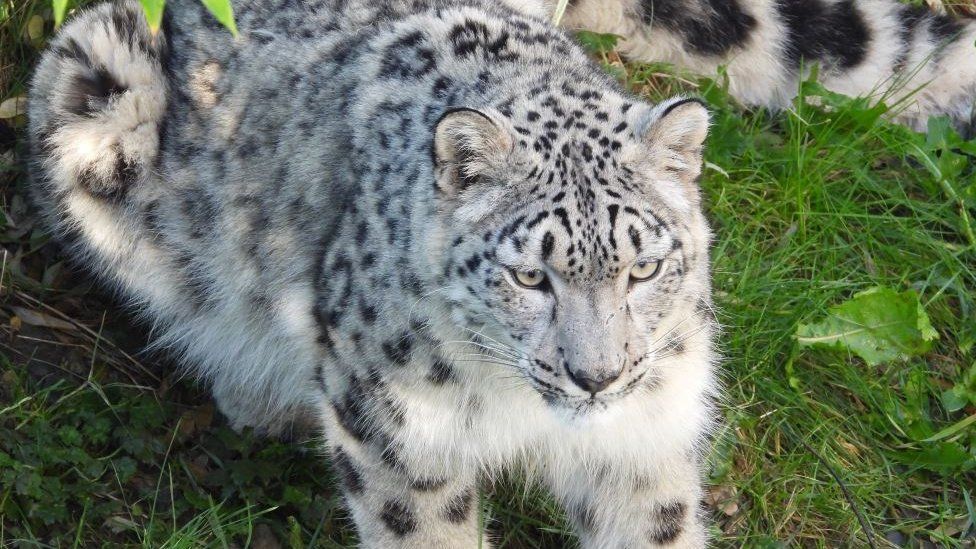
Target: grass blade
952,429
60,8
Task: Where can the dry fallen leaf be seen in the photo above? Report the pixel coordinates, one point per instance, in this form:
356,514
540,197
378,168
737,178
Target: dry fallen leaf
15,323
729,509
13,107
42,320
723,498
196,420
35,28
953,527
198,467
851,449
966,8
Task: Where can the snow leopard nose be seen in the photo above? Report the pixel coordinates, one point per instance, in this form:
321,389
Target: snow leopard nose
590,382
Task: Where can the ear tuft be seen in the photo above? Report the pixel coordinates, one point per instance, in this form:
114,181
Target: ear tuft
468,144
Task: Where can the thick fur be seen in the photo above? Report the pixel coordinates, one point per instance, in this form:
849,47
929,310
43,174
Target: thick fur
329,216
922,64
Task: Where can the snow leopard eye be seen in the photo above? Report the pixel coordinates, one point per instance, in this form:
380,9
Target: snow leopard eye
644,270
531,278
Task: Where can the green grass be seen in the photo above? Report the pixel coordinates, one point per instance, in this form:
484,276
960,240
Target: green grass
809,207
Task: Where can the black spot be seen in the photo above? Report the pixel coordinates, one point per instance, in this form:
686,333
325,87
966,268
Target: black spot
368,312
441,85
674,345
390,455
99,187
428,484
668,519
407,57
398,351
398,518
125,171
351,480
548,242
458,508
473,262
90,92
835,33
440,372
125,23
635,238
71,50
612,210
538,219
944,28
472,36
909,18
319,379
715,28
352,410
564,220
704,307
467,36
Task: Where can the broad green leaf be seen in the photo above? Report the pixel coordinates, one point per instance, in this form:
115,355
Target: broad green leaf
154,13
878,325
60,9
963,393
943,457
224,12
954,399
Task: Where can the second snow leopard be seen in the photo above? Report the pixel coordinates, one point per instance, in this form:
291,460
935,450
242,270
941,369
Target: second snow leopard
920,63
432,227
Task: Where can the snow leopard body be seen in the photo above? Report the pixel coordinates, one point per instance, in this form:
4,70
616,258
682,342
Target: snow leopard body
433,228
919,63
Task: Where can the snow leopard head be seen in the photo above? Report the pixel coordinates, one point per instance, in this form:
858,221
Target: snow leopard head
579,253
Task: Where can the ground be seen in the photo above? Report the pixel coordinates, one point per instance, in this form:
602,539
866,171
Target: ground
870,441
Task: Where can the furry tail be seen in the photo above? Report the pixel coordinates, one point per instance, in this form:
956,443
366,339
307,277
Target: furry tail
96,103
877,48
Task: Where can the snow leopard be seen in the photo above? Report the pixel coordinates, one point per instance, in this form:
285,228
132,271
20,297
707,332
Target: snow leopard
433,229
920,63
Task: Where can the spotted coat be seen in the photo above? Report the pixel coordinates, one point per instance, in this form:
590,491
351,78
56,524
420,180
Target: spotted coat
433,229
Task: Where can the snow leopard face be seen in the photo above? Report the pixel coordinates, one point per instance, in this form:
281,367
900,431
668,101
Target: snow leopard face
579,255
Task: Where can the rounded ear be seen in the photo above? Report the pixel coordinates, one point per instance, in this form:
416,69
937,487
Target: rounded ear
468,144
681,128
672,151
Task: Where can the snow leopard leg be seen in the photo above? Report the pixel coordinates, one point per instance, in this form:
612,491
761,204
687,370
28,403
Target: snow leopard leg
612,508
396,499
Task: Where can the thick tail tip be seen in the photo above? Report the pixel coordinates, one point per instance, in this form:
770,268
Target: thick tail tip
97,99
